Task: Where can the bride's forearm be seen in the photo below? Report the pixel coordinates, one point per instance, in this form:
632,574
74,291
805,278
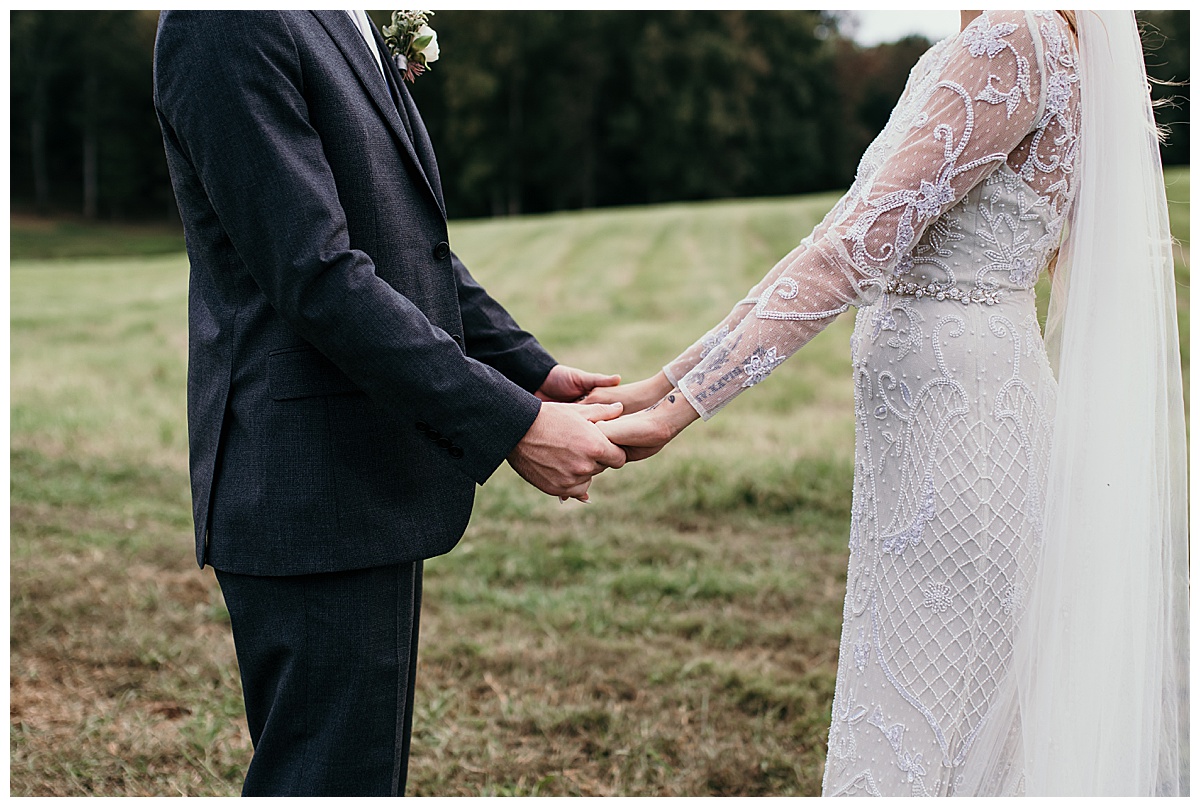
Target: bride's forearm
658,386
643,434
682,364
635,396
674,413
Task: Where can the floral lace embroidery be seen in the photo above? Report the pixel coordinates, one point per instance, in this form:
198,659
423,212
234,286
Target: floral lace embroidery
760,365
862,650
989,39
912,765
932,198
934,248
713,339
927,202
1010,599
911,535
938,597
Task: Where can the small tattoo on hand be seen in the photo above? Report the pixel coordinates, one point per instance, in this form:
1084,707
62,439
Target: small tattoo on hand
671,398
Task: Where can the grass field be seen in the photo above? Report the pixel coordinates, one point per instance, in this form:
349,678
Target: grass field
678,636
42,238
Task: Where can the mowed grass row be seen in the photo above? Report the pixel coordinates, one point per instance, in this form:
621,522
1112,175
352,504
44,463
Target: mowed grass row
678,636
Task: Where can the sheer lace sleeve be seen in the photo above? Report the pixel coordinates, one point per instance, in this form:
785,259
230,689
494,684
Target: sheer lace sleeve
977,98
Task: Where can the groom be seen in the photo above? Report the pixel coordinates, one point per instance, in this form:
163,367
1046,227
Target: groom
349,383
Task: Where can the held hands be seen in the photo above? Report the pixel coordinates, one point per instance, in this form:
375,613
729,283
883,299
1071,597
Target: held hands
569,443
643,434
654,412
564,448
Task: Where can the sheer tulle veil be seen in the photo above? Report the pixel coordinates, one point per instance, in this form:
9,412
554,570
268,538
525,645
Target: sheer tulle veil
1098,700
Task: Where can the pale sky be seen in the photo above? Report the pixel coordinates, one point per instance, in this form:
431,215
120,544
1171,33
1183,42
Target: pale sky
888,26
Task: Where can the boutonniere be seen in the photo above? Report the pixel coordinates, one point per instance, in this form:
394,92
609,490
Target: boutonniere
412,42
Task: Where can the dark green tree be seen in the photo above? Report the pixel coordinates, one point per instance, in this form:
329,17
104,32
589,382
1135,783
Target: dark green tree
531,110
550,110
36,41
1166,42
84,134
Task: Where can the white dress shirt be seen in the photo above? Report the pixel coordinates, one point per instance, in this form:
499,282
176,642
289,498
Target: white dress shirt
364,28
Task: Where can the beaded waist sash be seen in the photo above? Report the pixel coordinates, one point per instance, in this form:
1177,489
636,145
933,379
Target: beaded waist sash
897,285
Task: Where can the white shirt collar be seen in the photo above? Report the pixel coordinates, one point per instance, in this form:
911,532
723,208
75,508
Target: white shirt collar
364,28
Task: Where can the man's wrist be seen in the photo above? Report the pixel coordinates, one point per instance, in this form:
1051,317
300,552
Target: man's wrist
549,370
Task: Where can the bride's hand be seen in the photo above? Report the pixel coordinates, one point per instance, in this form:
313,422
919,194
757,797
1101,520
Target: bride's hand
644,433
635,396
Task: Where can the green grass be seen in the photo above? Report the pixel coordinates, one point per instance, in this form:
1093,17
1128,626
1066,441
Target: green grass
33,237
1179,194
678,636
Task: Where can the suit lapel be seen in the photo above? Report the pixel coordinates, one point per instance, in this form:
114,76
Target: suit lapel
346,37
408,108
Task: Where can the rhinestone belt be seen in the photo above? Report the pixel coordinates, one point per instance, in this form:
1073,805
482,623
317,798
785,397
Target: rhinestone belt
895,285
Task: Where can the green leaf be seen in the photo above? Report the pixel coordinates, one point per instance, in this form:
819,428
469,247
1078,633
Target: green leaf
422,42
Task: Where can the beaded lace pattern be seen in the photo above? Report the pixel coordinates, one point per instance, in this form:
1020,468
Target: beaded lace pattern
956,209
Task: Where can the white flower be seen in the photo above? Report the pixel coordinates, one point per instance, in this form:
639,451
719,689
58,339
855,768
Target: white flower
990,40
862,651
1022,271
430,51
938,597
760,365
933,198
1058,94
1011,599
413,44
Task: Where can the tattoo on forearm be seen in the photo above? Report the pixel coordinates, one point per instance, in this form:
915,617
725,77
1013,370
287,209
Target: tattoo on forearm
669,399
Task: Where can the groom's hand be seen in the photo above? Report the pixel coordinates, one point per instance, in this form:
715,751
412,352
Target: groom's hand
564,449
568,384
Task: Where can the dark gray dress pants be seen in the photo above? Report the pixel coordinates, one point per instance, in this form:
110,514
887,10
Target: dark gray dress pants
328,663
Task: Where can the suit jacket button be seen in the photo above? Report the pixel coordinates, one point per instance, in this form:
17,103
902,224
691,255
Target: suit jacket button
444,442
433,434
456,452
441,251
422,426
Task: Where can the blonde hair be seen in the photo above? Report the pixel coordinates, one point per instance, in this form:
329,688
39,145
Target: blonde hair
1069,16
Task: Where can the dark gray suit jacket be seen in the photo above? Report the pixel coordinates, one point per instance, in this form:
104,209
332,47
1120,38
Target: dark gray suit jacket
348,381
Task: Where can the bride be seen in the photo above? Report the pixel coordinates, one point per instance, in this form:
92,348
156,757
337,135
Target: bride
1016,606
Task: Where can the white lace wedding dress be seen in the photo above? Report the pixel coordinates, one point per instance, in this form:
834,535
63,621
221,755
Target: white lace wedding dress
957,208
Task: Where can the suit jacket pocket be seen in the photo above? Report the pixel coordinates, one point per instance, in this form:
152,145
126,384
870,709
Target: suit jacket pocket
304,372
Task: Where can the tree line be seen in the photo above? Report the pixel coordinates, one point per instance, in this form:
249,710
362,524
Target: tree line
529,111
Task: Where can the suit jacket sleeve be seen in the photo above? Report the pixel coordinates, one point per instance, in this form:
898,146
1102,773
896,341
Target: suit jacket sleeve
494,338
233,103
